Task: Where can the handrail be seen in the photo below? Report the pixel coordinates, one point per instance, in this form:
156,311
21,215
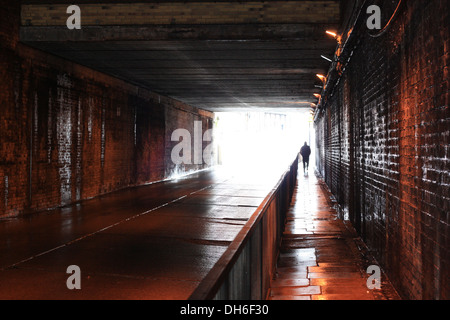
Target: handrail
210,285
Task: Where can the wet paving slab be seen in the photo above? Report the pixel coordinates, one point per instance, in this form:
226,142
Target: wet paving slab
322,257
151,242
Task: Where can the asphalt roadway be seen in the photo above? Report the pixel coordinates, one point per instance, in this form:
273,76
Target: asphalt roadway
155,242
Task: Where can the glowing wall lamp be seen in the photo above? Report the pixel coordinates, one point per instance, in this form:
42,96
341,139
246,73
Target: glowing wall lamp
333,34
321,77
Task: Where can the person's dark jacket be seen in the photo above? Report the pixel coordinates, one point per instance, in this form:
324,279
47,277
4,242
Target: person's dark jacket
305,151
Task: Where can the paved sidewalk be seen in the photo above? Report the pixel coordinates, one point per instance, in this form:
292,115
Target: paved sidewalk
322,257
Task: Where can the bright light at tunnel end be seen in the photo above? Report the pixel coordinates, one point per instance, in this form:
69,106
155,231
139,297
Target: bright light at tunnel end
242,142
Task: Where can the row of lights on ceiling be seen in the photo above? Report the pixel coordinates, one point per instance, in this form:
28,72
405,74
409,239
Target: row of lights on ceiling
321,76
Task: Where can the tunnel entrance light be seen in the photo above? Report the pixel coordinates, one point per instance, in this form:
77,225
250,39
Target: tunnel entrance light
259,142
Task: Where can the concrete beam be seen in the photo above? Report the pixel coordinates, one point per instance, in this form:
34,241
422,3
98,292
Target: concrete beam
175,32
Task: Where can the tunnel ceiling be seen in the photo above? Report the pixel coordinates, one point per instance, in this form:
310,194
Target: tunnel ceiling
245,55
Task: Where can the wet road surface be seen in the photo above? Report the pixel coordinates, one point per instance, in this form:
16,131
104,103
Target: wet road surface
150,242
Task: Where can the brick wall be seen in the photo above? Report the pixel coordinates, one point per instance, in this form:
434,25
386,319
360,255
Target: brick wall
69,133
185,12
187,121
384,146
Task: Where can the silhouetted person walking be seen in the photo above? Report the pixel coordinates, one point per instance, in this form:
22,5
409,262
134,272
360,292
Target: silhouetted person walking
305,151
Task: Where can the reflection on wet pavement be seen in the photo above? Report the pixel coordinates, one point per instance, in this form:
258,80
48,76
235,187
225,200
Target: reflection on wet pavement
151,242
322,257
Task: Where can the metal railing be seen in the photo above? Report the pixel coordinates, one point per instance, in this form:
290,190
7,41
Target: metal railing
246,268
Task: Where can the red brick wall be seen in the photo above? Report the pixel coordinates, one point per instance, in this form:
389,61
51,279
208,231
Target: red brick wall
385,151
70,133
186,12
186,121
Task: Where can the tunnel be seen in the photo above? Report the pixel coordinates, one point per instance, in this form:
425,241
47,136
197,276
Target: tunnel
224,150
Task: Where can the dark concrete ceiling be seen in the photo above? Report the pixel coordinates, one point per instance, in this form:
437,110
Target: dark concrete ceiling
214,67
